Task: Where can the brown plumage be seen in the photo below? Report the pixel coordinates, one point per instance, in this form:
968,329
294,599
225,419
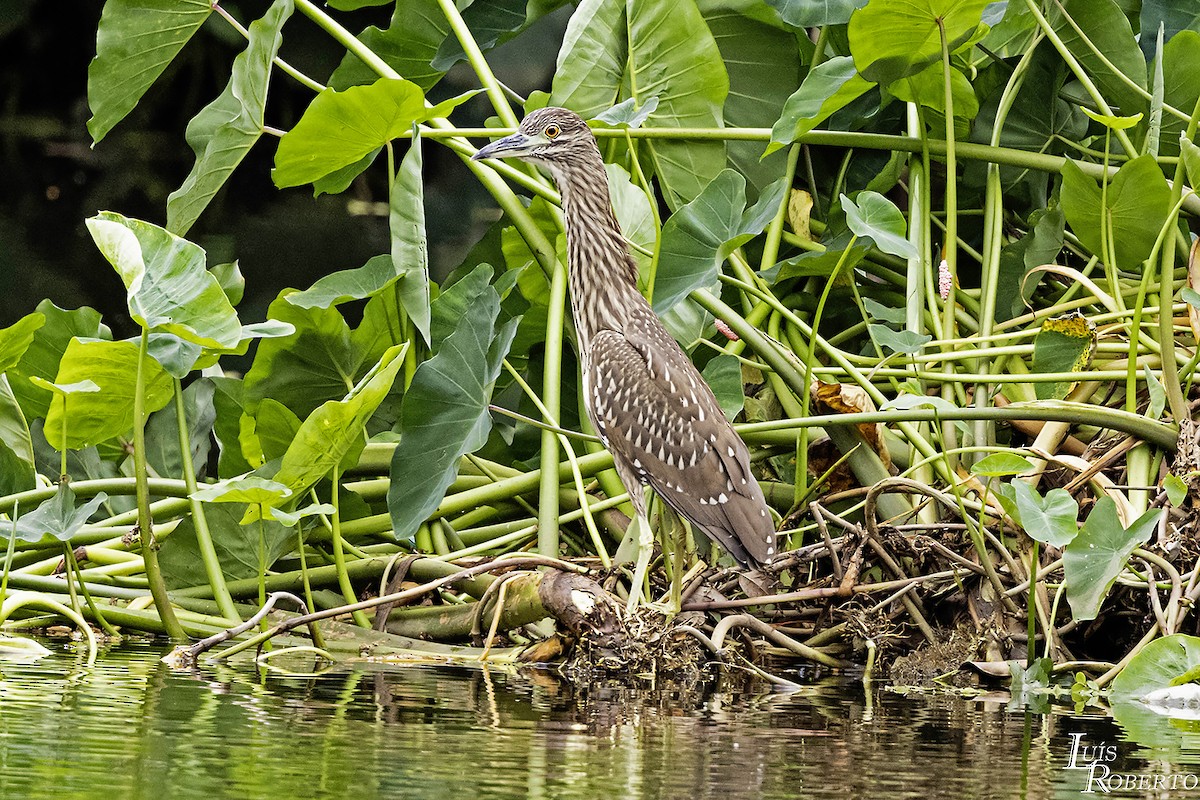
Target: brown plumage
647,401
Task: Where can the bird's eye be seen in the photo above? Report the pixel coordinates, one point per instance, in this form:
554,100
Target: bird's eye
552,131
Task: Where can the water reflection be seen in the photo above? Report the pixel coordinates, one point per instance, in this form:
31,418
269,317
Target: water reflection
129,727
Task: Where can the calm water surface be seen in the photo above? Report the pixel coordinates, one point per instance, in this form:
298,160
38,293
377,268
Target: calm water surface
129,727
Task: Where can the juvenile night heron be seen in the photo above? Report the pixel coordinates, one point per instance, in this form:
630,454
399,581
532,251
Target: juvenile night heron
651,407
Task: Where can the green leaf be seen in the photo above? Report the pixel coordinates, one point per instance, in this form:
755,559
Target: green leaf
333,433
1051,519
56,518
828,87
928,88
724,374
1113,122
339,128
1181,64
765,65
908,342
632,208
167,283
43,354
627,113
135,42
1093,559
445,414
1175,17
815,13
1064,344
614,49
492,23
699,236
224,131
99,416
16,339
237,547
162,432
317,362
1176,489
1001,465
406,221
1191,160
346,285
17,470
892,39
290,518
875,217
456,302
227,401
1107,28
275,426
408,45
249,489
1157,666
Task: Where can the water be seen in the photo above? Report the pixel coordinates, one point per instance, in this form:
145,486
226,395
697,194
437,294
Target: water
128,727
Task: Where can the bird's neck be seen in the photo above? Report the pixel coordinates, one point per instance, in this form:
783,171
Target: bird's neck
602,273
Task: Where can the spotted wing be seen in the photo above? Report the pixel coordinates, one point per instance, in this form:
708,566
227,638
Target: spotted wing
660,418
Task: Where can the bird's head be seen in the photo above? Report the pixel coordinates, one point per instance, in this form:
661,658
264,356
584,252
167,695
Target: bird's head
547,136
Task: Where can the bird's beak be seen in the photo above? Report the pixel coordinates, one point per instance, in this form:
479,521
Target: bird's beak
513,146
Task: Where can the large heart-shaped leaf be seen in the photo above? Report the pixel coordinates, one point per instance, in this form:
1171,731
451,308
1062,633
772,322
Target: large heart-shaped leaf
339,128
96,417
1094,558
872,216
1158,665
892,39
764,65
1136,209
56,518
1109,43
135,42
445,413
168,287
224,131
1051,519
334,432
17,470
827,88
700,235
406,221
615,49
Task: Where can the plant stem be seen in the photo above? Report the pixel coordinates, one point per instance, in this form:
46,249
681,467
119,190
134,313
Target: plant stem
158,587
204,542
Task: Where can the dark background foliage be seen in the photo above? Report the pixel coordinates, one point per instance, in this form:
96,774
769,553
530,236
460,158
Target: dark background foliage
51,178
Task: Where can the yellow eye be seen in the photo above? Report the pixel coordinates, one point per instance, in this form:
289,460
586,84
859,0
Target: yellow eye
552,131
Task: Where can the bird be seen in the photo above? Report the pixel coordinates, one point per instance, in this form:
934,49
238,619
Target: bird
649,404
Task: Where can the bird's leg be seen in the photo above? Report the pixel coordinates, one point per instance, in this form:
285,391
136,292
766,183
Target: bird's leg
645,540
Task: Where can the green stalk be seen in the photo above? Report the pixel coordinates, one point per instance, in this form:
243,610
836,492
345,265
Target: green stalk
158,587
73,567
204,542
551,396
1166,291
478,63
339,556
1031,616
